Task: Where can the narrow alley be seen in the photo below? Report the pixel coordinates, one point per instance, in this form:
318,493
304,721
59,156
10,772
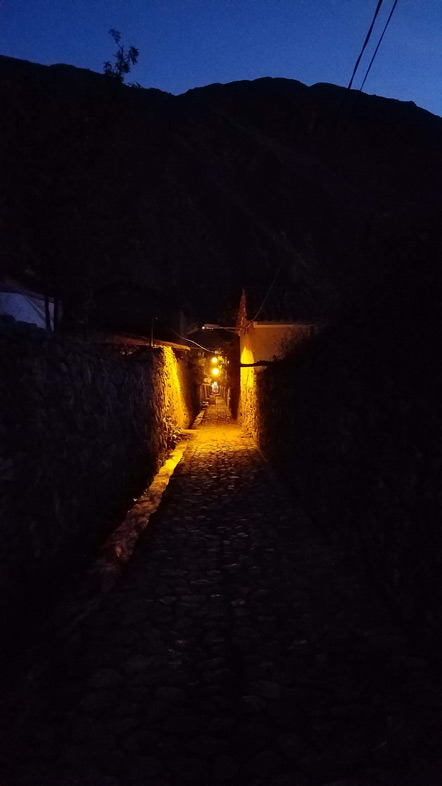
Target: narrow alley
233,650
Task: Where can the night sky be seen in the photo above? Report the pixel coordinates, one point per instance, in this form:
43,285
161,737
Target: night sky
188,43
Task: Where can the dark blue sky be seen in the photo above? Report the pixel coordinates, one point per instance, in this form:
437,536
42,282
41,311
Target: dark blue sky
187,43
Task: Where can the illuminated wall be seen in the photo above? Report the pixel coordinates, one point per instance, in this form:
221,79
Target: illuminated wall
84,429
179,399
248,401
262,342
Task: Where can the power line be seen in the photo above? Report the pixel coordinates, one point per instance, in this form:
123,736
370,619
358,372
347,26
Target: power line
193,342
379,43
367,38
267,294
347,102
340,114
271,285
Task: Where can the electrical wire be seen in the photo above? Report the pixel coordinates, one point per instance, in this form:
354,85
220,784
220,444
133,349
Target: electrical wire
341,120
379,43
266,295
193,342
367,38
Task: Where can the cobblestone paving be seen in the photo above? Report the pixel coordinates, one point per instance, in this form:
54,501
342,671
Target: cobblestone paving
232,651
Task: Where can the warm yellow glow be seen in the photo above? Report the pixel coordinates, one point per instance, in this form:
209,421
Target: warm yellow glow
215,372
214,360
176,406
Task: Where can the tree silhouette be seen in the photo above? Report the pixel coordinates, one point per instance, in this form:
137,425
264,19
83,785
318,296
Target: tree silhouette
124,60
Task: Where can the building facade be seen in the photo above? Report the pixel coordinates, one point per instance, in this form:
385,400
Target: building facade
268,328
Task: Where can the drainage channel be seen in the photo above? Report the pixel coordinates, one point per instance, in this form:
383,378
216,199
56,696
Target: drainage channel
116,552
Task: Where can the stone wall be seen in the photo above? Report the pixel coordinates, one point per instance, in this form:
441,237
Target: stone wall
263,342
248,402
353,424
82,429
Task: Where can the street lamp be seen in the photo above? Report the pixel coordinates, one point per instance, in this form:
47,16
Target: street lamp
209,326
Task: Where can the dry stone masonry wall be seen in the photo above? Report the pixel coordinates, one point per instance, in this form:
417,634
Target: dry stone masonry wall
82,429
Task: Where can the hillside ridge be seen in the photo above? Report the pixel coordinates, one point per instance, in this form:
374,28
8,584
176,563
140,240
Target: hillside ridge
222,184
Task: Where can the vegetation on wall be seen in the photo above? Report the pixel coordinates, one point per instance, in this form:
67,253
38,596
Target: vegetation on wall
352,421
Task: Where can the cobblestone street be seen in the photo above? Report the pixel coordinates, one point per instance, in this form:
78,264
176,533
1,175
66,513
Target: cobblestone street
233,650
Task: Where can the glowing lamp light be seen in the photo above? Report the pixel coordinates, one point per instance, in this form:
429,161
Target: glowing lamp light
215,371
214,361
